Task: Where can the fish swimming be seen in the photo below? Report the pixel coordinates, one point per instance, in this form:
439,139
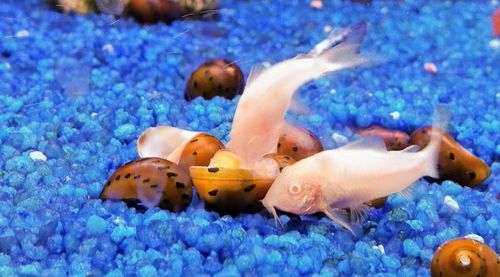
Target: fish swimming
351,175
260,113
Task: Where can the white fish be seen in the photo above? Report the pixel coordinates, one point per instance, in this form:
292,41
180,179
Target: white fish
268,94
350,176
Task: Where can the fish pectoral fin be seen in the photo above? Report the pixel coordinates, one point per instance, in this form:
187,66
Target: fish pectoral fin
337,215
408,193
370,143
411,149
359,213
255,72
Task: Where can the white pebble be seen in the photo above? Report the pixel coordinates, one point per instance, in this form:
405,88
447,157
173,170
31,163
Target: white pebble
266,64
7,65
333,91
450,202
327,28
431,68
93,114
379,247
475,237
38,156
395,115
108,47
495,43
339,139
22,33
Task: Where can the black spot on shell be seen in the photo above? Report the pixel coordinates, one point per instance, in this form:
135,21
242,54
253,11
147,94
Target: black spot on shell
127,176
472,175
195,84
295,149
156,161
107,184
179,185
250,188
195,153
117,178
137,177
153,186
166,201
279,145
172,174
194,140
213,170
451,156
286,157
219,87
210,78
184,196
146,180
163,168
213,192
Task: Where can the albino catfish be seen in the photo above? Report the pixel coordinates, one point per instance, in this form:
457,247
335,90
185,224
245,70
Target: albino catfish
260,113
352,175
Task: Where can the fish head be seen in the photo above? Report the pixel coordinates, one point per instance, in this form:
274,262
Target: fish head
293,192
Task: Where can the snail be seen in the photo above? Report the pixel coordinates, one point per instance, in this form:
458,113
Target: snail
298,142
465,257
150,182
229,189
215,78
394,140
455,162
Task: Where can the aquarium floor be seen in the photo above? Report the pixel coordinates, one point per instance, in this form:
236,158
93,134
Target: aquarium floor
81,90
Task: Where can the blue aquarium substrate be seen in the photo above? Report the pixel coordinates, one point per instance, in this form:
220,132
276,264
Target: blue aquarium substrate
77,91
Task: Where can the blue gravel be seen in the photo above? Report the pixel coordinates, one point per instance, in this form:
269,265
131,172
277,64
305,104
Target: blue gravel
51,223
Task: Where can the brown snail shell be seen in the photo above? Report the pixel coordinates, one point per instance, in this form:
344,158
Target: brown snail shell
217,77
227,188
282,160
298,142
153,11
394,140
455,162
199,151
150,182
465,257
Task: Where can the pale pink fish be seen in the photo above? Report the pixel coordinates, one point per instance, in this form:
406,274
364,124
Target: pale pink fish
350,176
164,142
268,94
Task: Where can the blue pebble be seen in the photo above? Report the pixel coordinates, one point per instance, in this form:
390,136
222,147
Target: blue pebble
120,232
411,248
391,263
125,131
147,271
96,225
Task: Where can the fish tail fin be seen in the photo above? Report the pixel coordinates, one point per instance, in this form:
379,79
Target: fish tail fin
431,151
340,50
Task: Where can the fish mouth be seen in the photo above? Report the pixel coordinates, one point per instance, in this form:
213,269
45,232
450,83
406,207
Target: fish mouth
270,208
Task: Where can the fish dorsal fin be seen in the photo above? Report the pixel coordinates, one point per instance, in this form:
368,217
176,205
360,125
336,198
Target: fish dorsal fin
367,143
255,72
411,149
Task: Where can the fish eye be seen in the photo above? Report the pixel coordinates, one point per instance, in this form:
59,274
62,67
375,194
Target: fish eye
295,188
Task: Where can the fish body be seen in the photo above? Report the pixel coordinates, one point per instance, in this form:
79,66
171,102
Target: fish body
350,176
260,113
